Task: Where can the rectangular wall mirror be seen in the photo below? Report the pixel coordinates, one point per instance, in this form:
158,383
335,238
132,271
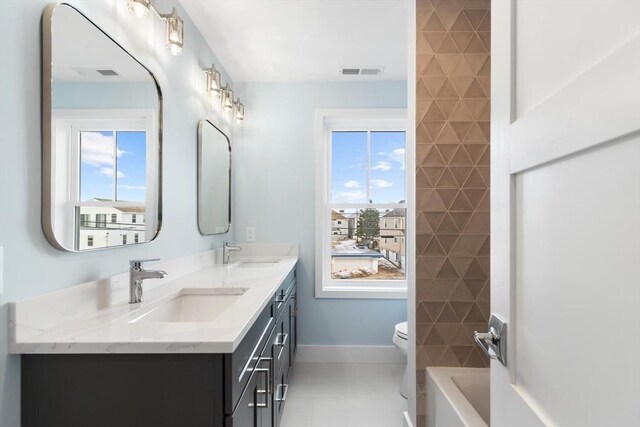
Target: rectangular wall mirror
102,138
214,179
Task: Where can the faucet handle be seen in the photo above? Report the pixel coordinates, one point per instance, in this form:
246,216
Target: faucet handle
137,263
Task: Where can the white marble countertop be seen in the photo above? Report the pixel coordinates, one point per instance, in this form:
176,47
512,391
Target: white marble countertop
111,330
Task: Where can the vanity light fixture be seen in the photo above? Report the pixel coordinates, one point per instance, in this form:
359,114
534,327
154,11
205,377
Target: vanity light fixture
213,81
174,24
239,110
227,98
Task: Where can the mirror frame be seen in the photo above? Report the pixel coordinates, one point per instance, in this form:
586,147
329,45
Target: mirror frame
201,125
47,143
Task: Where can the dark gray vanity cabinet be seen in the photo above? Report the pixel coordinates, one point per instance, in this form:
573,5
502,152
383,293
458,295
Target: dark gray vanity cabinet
246,388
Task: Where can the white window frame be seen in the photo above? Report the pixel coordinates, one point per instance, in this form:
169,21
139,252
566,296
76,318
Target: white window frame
352,120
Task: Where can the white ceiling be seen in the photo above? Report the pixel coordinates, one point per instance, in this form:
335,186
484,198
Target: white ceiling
298,40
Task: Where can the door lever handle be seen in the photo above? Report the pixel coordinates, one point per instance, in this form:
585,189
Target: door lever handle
494,342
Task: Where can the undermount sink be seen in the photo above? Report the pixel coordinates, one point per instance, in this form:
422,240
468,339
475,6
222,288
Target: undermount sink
194,305
258,263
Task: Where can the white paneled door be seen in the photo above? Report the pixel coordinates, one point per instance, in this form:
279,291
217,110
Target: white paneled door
565,226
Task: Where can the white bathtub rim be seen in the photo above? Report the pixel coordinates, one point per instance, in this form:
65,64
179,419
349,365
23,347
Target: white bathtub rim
441,376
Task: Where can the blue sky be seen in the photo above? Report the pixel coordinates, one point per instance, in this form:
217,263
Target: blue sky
349,167
99,159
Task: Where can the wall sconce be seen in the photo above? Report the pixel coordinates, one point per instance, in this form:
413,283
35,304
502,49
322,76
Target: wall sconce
213,81
174,24
227,98
239,110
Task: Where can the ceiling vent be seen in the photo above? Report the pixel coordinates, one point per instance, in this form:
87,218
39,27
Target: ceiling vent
108,73
369,71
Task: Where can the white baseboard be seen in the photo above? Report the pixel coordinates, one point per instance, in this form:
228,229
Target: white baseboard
407,421
349,354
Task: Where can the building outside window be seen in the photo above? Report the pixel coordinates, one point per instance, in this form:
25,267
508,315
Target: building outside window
85,220
124,239
101,220
135,238
114,218
90,241
133,218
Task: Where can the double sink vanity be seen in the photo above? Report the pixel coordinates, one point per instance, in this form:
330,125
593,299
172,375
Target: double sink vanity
209,345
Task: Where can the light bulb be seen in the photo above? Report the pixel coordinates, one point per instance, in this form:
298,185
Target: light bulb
239,110
175,33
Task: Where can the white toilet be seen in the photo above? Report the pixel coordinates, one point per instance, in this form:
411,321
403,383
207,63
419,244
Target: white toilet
401,342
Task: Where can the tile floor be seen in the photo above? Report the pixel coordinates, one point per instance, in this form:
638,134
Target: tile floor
344,395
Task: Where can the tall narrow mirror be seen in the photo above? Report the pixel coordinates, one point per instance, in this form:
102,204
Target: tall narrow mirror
102,132
214,179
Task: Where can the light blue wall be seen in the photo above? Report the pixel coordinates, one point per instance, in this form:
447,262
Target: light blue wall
104,95
276,194
31,265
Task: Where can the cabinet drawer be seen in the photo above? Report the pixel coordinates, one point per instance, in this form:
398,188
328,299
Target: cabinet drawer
283,292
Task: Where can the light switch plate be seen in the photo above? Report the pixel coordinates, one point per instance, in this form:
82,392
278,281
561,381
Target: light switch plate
251,234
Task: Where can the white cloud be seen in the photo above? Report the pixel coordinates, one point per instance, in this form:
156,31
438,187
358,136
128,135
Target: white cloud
396,155
109,172
382,166
132,187
350,196
97,149
381,183
352,184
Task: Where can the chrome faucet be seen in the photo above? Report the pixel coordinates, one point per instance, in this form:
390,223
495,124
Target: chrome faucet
137,274
227,248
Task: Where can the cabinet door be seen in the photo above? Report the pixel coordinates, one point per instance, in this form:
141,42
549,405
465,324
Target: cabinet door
293,326
247,413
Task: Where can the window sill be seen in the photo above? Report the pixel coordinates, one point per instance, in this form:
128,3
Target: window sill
361,292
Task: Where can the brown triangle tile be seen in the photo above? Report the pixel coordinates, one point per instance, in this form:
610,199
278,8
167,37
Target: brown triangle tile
447,106
476,224
461,353
485,308
475,17
475,315
422,61
422,137
434,39
433,203
433,158
475,45
475,271
423,11
449,359
422,104
485,202
434,338
422,330
447,315
461,83
421,314
461,203
475,195
433,174
447,271
447,135
475,181
447,330
485,159
434,219
435,352
433,68
421,90
474,286
448,61
485,70
421,197
422,225
461,39
476,60
422,240
434,83
447,45
432,293
462,67
475,90
433,114
446,183
485,115
447,241
434,128
485,293
461,308
485,264
422,44
486,129
422,150
434,264
448,90
447,195
461,129
448,151
448,12
461,172
485,25
475,151
421,269
461,114
475,135
461,264
485,83
433,309
461,24
461,219
485,173
434,248
475,106
445,287
476,360
461,158
485,249
447,225
433,24
477,4
485,37
474,241
462,293
421,179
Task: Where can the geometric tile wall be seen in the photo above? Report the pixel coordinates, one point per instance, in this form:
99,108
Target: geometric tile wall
452,183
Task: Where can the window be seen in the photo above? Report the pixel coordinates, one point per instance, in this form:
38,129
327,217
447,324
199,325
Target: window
124,239
114,218
101,220
90,241
84,220
133,218
135,238
361,193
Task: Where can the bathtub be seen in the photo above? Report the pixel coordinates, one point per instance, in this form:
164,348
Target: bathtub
457,397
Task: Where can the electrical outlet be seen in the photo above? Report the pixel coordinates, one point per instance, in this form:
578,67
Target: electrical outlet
251,234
